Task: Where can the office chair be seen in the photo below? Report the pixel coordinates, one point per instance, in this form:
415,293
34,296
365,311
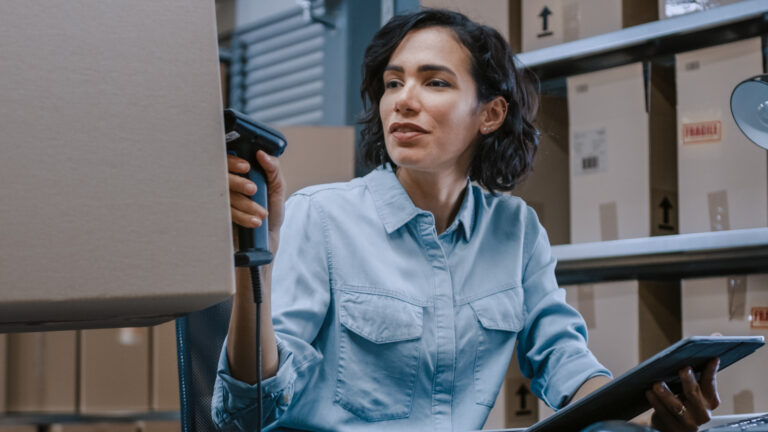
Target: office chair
199,338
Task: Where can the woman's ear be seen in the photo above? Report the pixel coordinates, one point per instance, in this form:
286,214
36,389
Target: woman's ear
493,114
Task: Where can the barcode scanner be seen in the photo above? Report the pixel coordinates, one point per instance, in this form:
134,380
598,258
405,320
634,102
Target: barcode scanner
244,138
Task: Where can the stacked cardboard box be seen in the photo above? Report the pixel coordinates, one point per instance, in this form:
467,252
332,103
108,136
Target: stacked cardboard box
165,371
503,15
551,22
3,371
723,185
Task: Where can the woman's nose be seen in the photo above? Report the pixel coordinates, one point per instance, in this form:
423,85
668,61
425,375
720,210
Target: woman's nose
407,99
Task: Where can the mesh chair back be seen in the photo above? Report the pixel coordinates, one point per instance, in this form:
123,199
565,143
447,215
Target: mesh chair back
199,337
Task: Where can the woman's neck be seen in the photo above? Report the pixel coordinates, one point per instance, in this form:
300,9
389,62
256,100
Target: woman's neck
440,193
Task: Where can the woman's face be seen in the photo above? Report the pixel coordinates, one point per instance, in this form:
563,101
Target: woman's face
429,109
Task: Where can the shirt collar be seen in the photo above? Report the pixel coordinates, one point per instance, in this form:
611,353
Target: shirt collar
395,207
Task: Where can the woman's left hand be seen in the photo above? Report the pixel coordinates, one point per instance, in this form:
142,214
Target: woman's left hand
692,408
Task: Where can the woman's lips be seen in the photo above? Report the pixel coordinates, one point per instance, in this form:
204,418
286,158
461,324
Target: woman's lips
407,136
406,131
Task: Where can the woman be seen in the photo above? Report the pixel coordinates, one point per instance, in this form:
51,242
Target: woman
399,297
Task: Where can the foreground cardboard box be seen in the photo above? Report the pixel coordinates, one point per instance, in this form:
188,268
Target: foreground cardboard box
623,174
732,306
21,428
503,15
114,371
723,176
551,22
42,371
99,427
546,188
673,8
3,371
169,426
165,371
128,158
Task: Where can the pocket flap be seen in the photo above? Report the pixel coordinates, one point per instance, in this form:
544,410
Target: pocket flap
380,318
501,311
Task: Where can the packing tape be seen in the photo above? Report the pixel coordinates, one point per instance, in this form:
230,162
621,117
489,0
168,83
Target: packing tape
585,296
737,298
718,211
609,221
571,21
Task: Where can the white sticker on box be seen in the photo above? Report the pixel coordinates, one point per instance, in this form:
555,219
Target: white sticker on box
589,151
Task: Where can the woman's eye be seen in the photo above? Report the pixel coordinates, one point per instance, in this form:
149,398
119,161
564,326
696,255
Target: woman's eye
391,84
438,83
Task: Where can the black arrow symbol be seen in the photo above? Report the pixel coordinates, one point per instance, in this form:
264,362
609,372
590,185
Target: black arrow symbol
666,206
545,13
522,391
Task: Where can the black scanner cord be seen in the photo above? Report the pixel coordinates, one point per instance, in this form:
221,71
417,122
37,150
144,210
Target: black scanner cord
257,299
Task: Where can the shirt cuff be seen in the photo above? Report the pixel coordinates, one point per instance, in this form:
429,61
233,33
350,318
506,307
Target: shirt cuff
580,368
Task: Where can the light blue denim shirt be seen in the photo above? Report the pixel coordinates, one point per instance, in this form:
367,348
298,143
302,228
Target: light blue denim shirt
382,324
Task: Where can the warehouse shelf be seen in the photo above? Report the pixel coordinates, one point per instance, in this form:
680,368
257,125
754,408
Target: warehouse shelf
664,257
63,418
715,26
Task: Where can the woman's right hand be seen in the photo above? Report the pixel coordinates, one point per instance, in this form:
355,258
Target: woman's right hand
244,210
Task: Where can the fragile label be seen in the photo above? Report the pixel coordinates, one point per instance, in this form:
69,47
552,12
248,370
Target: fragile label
589,151
701,132
758,318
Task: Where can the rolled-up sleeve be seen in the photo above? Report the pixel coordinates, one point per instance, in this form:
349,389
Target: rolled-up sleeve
300,300
552,348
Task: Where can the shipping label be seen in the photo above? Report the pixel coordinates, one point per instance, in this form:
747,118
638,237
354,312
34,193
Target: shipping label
590,150
759,318
702,132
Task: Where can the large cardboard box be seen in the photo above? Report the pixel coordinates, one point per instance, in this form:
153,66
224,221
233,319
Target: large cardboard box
623,173
162,426
3,371
551,22
734,306
515,405
723,177
673,8
114,371
317,154
115,203
42,371
546,188
503,15
99,427
165,371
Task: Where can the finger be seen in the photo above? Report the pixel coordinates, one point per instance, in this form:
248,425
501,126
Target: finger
694,400
247,206
241,185
674,406
661,419
709,383
244,219
271,167
237,165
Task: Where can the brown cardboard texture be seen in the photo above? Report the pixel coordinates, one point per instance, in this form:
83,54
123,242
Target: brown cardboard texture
114,359
722,305
317,155
115,203
42,371
503,15
3,371
723,177
551,22
623,177
165,371
546,188
99,427
628,321
162,426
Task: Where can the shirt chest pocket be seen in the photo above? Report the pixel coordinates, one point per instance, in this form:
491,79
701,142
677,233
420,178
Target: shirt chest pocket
379,350
500,317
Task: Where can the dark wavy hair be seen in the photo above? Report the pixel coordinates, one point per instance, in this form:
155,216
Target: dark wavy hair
502,158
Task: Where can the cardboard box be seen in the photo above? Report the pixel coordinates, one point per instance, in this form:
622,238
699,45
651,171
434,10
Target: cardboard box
623,173
114,371
116,126
673,8
551,22
98,427
516,406
165,371
736,306
723,180
164,426
503,15
19,428
317,155
3,371
546,188
42,371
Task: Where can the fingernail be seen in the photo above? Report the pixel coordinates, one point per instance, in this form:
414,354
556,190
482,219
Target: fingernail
250,188
243,165
256,221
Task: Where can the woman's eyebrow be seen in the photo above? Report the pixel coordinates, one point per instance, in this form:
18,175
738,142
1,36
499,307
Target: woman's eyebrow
422,68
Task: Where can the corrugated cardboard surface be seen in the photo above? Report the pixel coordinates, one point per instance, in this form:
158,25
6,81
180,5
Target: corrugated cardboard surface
628,321
42,371
546,189
165,372
115,201
503,15
732,167
3,371
316,155
569,20
619,176
709,306
114,371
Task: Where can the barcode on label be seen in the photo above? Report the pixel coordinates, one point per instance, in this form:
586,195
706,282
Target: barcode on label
590,163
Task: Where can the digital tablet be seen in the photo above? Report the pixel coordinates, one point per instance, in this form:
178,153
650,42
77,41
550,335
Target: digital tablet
624,397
